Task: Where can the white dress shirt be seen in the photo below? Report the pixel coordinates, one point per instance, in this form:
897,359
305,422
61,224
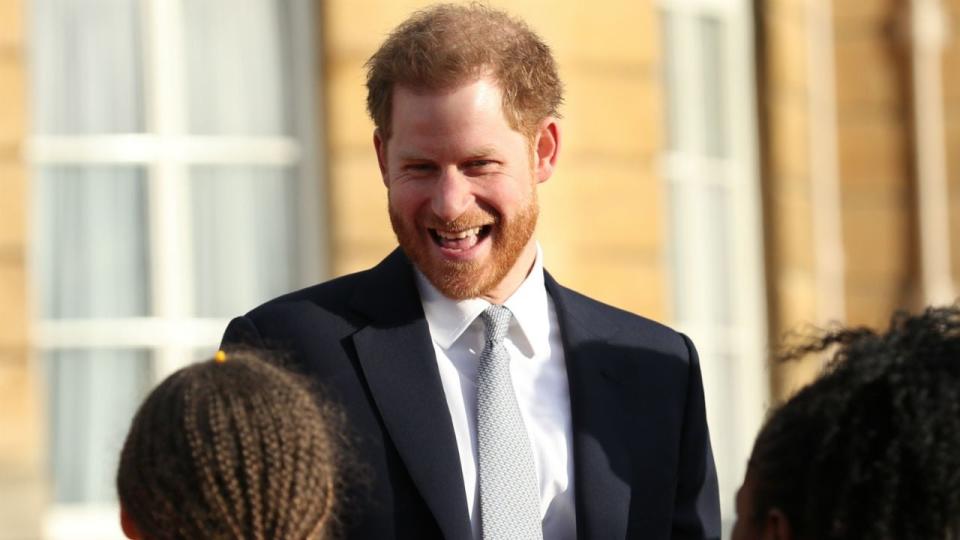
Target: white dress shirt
539,380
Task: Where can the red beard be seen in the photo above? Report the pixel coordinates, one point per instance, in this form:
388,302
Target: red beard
460,280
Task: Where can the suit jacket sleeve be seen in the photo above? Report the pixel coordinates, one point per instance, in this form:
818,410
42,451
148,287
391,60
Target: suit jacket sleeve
697,506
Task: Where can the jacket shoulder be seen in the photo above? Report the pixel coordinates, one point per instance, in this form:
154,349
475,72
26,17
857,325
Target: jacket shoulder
624,327
330,294
384,291
322,310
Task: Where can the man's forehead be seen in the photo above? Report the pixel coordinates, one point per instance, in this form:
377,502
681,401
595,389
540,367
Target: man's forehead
429,91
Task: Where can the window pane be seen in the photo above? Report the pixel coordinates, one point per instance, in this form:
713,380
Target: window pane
245,234
671,77
714,83
92,248
86,66
681,272
720,243
91,398
238,62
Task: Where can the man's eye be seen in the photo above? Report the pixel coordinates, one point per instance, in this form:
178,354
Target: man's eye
479,163
419,167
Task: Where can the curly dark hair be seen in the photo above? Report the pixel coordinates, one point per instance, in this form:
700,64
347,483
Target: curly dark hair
871,449
233,449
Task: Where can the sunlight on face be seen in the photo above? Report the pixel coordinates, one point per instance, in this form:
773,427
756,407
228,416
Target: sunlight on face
462,191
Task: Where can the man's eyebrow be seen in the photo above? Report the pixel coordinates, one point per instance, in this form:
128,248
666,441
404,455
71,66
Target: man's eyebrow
483,151
410,156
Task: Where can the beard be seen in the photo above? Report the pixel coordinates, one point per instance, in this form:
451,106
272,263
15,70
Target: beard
460,280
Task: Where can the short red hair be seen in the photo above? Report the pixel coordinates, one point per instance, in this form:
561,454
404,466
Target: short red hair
447,45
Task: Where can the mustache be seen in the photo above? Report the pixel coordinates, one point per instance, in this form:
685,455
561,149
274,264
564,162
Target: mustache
474,218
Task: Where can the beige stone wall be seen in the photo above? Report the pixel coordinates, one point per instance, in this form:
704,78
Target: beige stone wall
788,219
875,160
951,75
875,151
20,443
601,213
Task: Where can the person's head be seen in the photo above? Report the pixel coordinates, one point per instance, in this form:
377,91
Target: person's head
229,449
871,449
465,101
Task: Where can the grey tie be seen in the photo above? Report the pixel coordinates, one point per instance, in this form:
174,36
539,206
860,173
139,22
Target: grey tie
509,492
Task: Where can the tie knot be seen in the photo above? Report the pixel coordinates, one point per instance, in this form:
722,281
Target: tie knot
497,322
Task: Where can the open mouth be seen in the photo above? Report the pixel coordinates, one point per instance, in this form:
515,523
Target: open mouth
460,240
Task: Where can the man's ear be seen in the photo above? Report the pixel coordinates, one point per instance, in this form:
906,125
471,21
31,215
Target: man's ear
776,526
380,146
546,148
127,525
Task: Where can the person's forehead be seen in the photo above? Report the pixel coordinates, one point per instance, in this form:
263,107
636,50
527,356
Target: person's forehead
439,87
470,111
486,87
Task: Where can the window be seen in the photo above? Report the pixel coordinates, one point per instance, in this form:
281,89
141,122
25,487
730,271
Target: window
714,211
174,187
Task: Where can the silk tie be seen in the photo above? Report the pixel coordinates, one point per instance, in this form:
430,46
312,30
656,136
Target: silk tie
509,491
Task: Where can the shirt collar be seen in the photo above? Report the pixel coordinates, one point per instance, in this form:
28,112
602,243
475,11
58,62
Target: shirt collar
448,319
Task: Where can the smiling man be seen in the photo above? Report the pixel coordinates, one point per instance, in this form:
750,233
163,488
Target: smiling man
487,400
462,186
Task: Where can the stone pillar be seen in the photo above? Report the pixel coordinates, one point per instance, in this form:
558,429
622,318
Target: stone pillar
873,133
21,450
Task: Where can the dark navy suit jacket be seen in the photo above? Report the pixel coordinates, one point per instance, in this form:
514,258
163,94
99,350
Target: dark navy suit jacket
643,467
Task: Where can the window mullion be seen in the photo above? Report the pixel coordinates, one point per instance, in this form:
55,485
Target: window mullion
145,148
171,246
693,193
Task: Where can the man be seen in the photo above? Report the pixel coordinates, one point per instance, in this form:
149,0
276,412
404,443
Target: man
487,400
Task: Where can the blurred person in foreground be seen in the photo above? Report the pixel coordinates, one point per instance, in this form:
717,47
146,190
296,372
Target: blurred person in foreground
233,447
871,449
491,402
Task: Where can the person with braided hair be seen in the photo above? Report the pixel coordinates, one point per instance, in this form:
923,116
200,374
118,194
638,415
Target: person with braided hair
233,447
871,449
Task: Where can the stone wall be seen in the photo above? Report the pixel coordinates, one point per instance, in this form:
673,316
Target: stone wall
21,452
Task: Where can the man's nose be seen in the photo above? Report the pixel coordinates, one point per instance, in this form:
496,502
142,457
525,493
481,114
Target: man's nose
452,195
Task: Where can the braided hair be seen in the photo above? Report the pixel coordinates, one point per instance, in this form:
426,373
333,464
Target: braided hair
231,449
871,449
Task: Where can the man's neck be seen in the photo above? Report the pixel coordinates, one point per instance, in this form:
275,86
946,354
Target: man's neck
515,276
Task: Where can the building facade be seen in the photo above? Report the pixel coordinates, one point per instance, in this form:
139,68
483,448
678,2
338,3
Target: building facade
738,169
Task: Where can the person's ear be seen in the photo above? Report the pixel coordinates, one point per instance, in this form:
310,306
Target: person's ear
546,148
127,525
776,526
380,146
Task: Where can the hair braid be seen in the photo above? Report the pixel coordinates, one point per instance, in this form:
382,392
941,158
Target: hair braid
226,460
203,460
155,514
233,450
314,451
279,476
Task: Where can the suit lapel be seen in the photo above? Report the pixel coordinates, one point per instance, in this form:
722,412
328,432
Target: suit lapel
398,361
602,461
399,364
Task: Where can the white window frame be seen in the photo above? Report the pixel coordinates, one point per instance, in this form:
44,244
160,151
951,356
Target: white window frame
734,421
167,152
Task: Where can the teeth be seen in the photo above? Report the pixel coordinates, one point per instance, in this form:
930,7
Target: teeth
458,235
